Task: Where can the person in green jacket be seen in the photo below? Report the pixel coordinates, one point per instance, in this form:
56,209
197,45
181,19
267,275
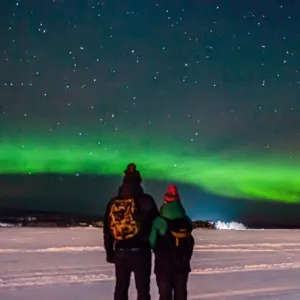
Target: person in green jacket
172,241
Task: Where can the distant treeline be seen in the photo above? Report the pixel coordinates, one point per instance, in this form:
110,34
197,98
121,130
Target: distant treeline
28,218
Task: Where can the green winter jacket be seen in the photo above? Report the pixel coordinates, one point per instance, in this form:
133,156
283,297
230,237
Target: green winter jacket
172,210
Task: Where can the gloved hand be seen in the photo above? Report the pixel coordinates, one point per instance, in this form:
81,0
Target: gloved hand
110,258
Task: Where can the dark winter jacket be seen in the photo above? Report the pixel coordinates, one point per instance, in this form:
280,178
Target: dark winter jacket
159,233
147,212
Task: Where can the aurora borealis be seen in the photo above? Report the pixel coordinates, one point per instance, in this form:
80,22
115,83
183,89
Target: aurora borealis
203,93
252,179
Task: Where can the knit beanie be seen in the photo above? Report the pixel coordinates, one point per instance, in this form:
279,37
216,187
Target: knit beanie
171,194
132,175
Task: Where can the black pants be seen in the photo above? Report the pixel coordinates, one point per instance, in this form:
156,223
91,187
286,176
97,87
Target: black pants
138,262
172,287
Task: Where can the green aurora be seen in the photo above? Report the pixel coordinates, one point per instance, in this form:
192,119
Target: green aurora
270,178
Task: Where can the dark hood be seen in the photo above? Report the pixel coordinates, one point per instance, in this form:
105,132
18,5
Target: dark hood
133,178
130,190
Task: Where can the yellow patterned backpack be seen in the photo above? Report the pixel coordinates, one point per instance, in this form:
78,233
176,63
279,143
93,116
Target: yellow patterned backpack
123,221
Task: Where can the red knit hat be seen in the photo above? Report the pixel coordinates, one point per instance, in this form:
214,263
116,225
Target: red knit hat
171,194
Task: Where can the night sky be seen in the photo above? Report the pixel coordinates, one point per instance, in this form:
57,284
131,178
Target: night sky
201,93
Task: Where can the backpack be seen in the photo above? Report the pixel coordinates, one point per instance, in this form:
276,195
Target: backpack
123,223
181,232
180,242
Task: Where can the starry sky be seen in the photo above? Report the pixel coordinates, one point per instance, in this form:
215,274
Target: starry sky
204,93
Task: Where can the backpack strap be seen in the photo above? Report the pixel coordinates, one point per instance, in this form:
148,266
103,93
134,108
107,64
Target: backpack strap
180,235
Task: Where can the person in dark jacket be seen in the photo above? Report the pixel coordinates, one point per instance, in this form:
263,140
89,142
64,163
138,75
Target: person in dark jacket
172,254
132,255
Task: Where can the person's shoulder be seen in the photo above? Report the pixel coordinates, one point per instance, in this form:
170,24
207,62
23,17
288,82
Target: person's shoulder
146,202
189,220
148,197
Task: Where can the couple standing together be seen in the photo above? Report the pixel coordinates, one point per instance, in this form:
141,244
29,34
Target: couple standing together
133,227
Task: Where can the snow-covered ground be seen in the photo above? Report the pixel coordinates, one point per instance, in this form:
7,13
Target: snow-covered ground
69,264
